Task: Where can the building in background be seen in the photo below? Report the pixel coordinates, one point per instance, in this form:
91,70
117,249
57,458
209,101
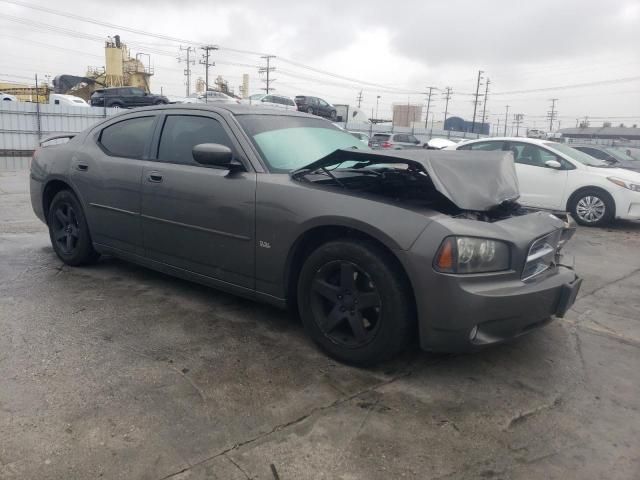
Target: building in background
457,124
406,115
244,88
602,133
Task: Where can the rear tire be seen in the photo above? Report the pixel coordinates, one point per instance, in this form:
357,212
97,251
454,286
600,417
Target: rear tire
592,207
310,110
334,115
355,302
68,230
116,105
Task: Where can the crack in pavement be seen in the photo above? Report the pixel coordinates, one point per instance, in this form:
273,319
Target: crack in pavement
608,284
237,466
601,332
290,423
522,416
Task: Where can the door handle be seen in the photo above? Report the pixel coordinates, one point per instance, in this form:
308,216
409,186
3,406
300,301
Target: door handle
83,167
155,177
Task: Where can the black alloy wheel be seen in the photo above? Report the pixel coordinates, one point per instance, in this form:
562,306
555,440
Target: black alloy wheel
65,228
69,231
345,303
355,301
310,110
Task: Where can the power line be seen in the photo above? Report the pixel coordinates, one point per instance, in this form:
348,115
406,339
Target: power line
186,41
564,87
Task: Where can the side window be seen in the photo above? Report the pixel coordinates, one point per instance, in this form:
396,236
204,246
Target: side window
137,92
486,146
57,102
127,138
528,154
401,138
322,102
594,152
291,103
412,139
182,132
268,98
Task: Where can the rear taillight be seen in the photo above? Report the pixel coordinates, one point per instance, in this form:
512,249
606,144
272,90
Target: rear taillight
386,144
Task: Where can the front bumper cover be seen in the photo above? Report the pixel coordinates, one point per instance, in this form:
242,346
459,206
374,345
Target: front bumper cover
481,314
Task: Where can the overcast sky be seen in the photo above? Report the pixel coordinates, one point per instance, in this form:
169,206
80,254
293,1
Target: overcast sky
400,47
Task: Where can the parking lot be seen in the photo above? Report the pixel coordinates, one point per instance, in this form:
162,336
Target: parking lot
114,371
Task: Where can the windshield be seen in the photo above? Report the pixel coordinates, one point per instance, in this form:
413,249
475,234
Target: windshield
577,155
625,154
288,143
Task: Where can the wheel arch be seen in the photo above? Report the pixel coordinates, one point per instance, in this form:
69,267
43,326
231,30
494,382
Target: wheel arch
581,190
312,238
51,189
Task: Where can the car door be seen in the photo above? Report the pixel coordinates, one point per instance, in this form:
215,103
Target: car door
138,97
324,109
540,185
194,217
107,173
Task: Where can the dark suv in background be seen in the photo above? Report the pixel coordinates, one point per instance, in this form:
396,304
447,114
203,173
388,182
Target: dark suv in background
125,97
316,106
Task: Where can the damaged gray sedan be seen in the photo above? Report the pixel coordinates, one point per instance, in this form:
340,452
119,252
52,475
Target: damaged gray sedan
373,249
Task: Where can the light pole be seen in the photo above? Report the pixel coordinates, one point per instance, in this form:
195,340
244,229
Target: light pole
377,100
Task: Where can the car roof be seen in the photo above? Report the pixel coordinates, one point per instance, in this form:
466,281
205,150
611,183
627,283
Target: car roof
233,108
535,141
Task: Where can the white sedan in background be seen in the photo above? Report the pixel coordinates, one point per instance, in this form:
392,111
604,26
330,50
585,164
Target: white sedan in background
274,101
556,177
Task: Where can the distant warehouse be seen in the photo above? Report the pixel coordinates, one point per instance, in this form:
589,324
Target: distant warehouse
602,133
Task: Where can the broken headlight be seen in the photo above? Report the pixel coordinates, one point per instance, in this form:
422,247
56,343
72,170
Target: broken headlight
472,255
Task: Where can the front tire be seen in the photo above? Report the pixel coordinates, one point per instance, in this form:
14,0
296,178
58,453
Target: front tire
310,111
68,230
355,302
592,207
333,115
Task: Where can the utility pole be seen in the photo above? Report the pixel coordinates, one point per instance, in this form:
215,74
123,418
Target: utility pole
484,104
497,128
359,98
426,120
447,97
268,69
377,100
506,119
205,61
552,114
187,71
475,102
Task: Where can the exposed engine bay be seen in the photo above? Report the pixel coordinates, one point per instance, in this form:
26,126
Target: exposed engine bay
407,184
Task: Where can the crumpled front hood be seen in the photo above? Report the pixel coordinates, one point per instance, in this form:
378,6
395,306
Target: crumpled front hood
472,180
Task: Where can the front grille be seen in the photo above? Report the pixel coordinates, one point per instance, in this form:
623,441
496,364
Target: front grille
542,255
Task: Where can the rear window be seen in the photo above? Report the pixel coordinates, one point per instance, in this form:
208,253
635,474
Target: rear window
381,137
127,138
300,99
98,92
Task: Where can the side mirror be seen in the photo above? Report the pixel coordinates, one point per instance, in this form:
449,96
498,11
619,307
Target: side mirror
553,164
212,154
